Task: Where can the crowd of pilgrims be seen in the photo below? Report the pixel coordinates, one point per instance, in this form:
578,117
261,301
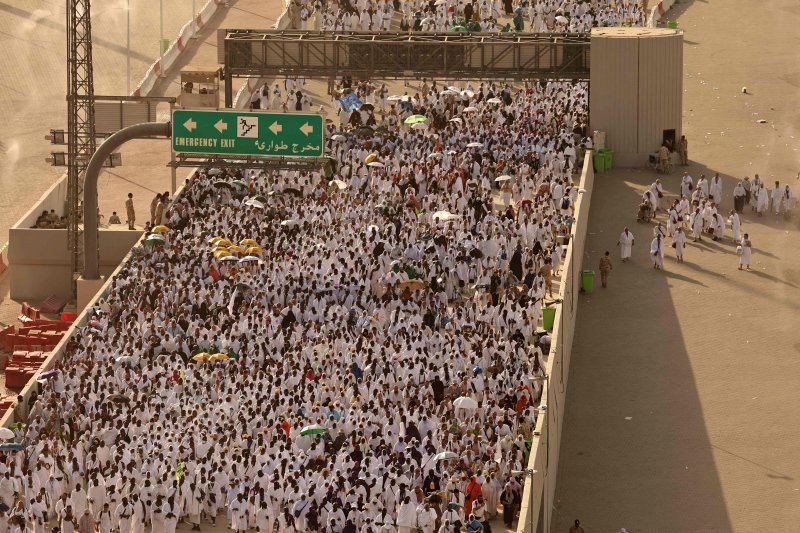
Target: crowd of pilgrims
560,16
387,314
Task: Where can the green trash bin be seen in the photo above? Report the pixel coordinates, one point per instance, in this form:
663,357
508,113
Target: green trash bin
587,281
672,24
608,156
599,162
548,317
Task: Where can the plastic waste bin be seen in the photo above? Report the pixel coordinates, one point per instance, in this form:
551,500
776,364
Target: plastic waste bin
548,317
672,24
587,281
599,162
608,156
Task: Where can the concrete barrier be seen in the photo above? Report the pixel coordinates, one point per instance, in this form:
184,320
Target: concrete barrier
3,260
170,56
658,11
540,487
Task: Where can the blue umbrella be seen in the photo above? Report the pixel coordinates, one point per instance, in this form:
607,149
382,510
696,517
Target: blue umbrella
10,447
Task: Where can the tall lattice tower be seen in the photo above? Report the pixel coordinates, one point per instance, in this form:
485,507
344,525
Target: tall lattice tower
80,123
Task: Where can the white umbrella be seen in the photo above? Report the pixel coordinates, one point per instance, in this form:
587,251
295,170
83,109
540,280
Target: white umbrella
440,2
338,137
254,203
441,215
448,92
249,259
453,88
456,119
470,109
290,222
494,101
6,434
465,402
419,126
475,145
444,456
504,177
124,359
376,164
435,155
562,19
395,98
339,183
467,93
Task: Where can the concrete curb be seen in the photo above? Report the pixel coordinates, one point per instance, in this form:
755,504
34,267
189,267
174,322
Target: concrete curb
168,59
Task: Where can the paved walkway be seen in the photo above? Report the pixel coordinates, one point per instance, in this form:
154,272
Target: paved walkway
682,404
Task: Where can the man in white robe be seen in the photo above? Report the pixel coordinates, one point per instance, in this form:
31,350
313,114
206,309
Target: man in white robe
657,252
625,243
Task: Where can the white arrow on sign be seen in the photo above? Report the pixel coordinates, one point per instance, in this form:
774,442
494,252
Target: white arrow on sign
221,125
190,124
275,128
307,128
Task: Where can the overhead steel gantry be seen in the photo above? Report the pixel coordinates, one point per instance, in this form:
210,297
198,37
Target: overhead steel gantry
471,56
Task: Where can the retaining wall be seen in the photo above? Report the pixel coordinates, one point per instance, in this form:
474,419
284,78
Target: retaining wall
540,487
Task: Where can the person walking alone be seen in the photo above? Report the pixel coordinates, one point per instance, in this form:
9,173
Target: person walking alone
745,252
625,244
605,267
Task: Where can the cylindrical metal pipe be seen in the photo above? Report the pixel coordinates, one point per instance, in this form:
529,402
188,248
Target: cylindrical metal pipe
146,130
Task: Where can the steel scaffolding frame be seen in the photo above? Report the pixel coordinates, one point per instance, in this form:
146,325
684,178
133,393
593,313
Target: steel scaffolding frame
81,142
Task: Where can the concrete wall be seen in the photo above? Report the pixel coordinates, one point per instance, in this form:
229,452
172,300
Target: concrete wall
39,260
53,198
540,488
636,89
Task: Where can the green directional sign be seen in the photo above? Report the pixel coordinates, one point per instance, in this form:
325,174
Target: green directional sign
233,132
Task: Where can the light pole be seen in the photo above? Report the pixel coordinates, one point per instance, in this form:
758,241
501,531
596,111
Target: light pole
128,58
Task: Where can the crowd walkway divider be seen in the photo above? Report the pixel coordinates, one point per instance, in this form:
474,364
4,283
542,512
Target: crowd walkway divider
541,473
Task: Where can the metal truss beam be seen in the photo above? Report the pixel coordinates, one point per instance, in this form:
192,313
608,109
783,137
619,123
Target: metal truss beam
405,55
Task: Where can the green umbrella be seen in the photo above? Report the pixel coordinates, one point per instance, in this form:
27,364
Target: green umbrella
223,184
414,119
239,183
215,172
260,198
154,240
313,429
459,29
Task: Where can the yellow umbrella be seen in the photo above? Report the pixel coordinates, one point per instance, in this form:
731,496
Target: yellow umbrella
249,242
255,250
236,249
201,357
214,240
160,229
370,158
224,242
218,248
218,357
220,253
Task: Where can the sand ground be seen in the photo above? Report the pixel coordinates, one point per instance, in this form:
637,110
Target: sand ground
703,358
